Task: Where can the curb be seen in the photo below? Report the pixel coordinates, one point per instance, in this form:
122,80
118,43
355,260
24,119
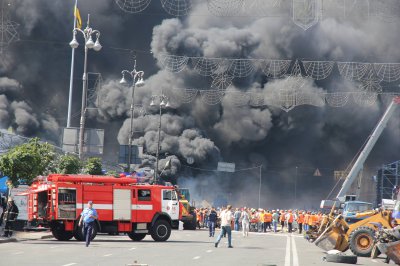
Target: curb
47,236
8,240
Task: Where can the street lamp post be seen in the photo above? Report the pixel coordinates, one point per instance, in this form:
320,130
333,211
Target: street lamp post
259,189
137,80
89,44
163,104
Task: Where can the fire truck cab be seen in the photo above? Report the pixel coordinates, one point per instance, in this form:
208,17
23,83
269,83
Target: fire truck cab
123,206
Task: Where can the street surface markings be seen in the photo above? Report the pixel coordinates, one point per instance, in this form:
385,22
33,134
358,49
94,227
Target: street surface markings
295,256
69,264
197,257
132,248
209,251
291,251
107,255
287,255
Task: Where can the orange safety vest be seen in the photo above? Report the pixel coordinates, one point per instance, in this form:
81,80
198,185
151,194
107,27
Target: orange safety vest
300,218
311,219
282,218
290,220
306,218
267,217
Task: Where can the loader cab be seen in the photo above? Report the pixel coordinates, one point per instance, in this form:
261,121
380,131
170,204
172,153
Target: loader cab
352,208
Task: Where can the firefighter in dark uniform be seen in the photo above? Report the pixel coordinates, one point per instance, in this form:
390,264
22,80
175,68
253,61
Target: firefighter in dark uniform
10,215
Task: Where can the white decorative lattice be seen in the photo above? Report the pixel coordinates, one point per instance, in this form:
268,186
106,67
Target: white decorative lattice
225,8
8,28
177,7
212,97
318,69
241,67
133,6
306,13
206,66
353,70
337,99
388,72
188,95
275,68
314,99
221,81
173,63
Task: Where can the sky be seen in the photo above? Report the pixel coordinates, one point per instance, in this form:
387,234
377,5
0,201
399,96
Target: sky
35,72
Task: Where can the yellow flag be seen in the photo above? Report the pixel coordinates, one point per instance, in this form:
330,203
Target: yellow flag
78,18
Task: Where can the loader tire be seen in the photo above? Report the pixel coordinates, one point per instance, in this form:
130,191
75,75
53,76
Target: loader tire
340,258
136,237
161,231
190,225
362,241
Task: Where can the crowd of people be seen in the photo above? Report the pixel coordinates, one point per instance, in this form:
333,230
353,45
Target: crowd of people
257,220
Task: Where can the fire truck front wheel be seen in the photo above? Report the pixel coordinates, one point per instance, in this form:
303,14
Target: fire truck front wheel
161,230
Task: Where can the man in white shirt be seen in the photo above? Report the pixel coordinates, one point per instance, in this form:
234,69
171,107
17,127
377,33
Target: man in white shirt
226,219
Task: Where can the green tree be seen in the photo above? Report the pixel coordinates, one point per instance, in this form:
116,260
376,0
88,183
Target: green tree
93,166
69,164
27,161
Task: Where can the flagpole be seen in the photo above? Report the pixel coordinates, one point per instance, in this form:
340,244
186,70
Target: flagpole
71,79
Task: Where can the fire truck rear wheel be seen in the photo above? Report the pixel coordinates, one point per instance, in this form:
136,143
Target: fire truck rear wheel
78,233
161,231
136,237
61,234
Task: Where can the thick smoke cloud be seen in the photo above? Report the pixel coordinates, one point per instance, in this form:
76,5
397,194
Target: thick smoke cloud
34,77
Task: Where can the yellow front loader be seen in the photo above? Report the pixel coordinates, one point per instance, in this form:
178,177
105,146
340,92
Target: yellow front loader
359,237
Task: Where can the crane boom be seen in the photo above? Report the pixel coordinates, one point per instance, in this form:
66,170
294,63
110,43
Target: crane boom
358,165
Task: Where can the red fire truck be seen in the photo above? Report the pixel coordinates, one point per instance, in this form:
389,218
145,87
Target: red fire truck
122,206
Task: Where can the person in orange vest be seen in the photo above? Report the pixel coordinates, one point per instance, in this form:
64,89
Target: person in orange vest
306,221
198,218
267,221
313,220
290,219
282,220
300,221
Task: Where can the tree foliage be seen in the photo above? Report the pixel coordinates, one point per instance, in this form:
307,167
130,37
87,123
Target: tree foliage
93,166
27,161
69,164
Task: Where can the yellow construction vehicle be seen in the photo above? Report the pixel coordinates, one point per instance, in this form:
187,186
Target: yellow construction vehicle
189,218
359,236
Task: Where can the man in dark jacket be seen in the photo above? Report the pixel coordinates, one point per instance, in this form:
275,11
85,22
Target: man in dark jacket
212,220
10,215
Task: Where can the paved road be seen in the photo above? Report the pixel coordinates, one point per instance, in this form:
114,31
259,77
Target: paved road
183,248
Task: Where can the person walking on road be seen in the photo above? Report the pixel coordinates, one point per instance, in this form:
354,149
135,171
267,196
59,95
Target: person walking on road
275,220
237,215
245,222
226,219
300,221
88,216
267,221
9,217
212,220
290,218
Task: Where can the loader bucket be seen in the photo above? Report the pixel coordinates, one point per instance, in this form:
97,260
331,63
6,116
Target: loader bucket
393,251
333,237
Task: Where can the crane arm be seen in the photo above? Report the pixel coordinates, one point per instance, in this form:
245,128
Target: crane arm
358,165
